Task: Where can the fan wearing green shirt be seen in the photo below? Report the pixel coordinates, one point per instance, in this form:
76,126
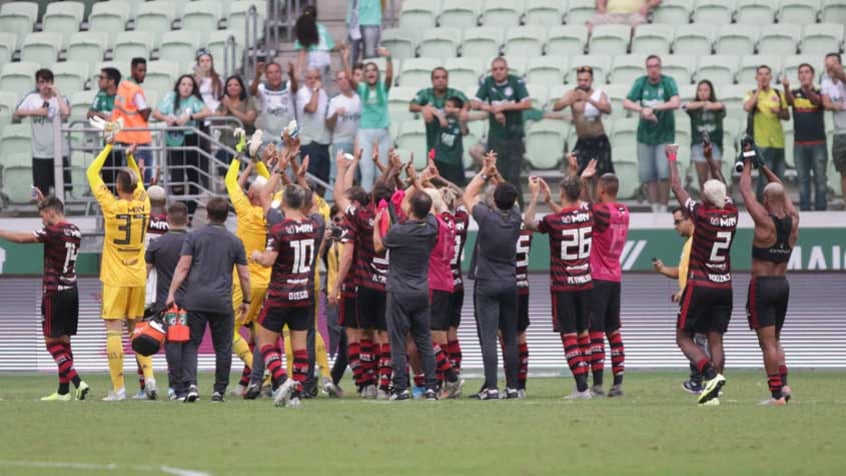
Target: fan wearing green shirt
104,101
430,102
504,97
449,141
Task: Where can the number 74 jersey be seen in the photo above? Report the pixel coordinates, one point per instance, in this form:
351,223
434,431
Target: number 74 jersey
295,244
570,235
122,263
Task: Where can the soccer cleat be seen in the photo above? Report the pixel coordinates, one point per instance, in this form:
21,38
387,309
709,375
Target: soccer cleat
577,395
57,397
786,393
509,394
192,394
116,395
417,392
171,393
332,390
82,390
282,395
774,402
452,389
382,394
692,387
150,389
369,392
174,397
597,391
616,391
487,394
714,402
238,391
712,388
253,391
141,395
217,397
431,395
294,402
267,390
521,393
400,396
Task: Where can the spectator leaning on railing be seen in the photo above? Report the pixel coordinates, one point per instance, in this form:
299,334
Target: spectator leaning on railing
767,107
834,100
276,107
706,122
312,105
235,103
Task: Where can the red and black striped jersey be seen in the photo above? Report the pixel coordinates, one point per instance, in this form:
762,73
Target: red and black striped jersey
348,287
570,234
157,226
371,268
462,223
296,245
61,247
524,247
710,257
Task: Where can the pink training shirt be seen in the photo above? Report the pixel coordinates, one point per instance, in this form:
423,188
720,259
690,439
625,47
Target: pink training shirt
440,271
610,229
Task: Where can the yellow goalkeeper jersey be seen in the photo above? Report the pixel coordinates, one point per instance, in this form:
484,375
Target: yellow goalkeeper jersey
122,263
252,226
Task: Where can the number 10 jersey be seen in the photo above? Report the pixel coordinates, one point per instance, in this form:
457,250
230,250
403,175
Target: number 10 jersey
296,245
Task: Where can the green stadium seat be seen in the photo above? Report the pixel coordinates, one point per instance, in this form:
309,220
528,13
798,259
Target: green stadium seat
833,11
578,12
8,103
616,93
749,67
755,12
238,13
401,44
180,46
556,92
733,97
713,12
20,159
686,93
15,139
653,39
95,71
525,41
625,167
132,44
41,47
481,42
544,144
440,43
70,75
538,94
694,40
460,13
610,39
464,72
627,68
720,69
833,175
476,130
109,17
822,38
417,16
398,102
673,12
546,13
791,64
601,65
737,40
566,40
516,65
64,18
679,67
155,18
18,18
800,12
80,102
202,15
412,137
87,46
416,72
502,13
625,132
162,74
16,183
18,78
547,70
216,44
779,41
8,45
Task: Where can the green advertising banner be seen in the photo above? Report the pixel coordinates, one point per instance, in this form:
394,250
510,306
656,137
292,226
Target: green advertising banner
29,260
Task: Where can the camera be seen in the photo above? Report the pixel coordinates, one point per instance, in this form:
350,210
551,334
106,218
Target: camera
748,150
336,232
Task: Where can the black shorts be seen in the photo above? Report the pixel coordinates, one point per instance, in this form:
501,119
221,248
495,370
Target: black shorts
371,309
60,313
522,312
571,311
605,307
348,311
440,303
598,148
456,305
705,309
275,316
766,304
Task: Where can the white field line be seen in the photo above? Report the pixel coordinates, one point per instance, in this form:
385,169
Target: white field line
103,467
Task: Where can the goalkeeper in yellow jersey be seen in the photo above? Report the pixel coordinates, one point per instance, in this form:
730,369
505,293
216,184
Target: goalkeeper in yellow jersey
123,270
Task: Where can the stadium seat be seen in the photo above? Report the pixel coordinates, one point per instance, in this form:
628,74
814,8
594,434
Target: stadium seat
627,68
516,65
412,137
162,74
80,102
544,144
616,93
18,78
41,47
202,15
70,75
833,11
95,71
625,132
417,16
694,40
733,97
755,12
546,13
653,39
217,45
460,13
749,67
566,40
673,12
15,139
464,72
610,39
63,18
547,70
416,72
625,167
180,46
822,38
538,94
731,129
601,65
401,44
132,44
87,46
8,103
834,182
440,43
578,12
525,41
18,18
556,92
16,182
792,62
800,12
713,12
502,13
156,18
481,42
109,17
779,41
8,45
476,131
686,93
720,69
736,40
679,67
238,12
398,102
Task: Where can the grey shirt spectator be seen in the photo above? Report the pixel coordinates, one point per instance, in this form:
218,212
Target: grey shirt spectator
163,254
214,251
411,245
495,254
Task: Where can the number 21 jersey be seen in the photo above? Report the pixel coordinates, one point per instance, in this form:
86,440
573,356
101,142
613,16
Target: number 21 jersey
570,234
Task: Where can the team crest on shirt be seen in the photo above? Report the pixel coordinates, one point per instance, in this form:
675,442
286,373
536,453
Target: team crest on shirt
508,91
660,91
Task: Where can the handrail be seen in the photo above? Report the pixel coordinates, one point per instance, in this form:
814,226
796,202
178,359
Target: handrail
229,52
250,42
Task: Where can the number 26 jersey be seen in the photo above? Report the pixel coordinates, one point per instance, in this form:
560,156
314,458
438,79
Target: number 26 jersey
570,234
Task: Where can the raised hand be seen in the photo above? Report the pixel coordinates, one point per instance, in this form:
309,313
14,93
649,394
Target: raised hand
590,171
534,186
301,171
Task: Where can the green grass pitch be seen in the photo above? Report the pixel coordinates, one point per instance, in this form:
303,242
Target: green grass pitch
655,429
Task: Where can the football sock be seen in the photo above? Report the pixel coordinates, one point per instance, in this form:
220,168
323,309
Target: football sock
368,362
67,346
597,357
146,366
242,349
584,346
782,370
575,360
454,351
65,364
257,370
385,369
300,369
523,371
248,370
114,353
419,380
273,363
140,374
705,368
444,369
354,356
618,357
289,351
775,383
320,356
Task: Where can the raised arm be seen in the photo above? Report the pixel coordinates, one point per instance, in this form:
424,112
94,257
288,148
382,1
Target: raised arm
378,246
756,210
675,181
347,67
254,84
339,190
18,237
529,218
389,66
95,182
713,165
234,186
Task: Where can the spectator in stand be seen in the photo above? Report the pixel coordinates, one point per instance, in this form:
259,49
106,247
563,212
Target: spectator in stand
375,120
364,27
654,97
767,107
104,100
207,78
313,42
42,105
625,12
342,120
235,103
184,107
706,121
131,105
809,142
430,102
275,101
312,105
358,72
834,99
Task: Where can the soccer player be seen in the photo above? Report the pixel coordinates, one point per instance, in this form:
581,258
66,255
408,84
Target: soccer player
462,224
123,270
524,248
291,252
570,233
776,232
707,298
59,298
